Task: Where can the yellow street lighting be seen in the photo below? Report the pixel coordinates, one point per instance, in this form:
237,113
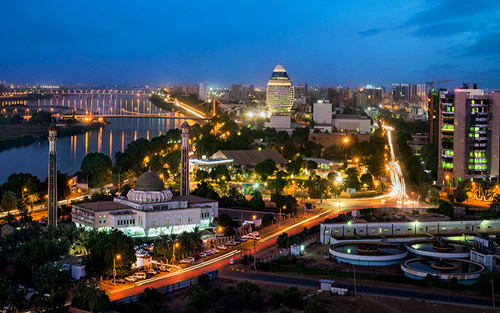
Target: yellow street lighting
254,217
117,257
220,229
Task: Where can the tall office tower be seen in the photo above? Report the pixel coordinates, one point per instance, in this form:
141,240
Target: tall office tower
396,92
52,178
202,91
469,137
185,159
405,92
433,114
280,92
414,93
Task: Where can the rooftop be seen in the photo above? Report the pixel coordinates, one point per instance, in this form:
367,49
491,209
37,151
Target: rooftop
192,199
250,157
103,206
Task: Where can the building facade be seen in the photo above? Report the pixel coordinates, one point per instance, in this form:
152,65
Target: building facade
469,135
148,210
280,92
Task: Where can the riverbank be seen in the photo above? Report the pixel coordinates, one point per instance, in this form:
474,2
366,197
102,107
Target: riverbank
12,136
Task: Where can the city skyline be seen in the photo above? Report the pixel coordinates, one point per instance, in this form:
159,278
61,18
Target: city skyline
321,43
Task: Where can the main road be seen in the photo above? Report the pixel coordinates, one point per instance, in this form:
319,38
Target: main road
268,235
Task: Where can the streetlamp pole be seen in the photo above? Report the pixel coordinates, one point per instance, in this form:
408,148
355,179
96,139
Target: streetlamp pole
176,245
117,257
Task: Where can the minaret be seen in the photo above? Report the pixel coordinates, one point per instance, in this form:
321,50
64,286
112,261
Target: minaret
52,205
185,159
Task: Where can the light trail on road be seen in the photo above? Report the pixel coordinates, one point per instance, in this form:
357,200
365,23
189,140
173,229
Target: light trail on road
398,191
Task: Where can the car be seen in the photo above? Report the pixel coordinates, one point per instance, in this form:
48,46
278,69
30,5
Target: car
256,237
152,272
208,252
243,239
247,236
196,257
203,254
184,261
237,241
165,269
120,281
214,251
231,243
221,247
140,275
233,261
131,279
282,251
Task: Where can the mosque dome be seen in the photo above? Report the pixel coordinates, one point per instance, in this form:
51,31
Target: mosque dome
149,181
149,188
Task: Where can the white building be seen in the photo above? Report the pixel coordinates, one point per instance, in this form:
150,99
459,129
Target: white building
202,91
322,115
149,210
351,123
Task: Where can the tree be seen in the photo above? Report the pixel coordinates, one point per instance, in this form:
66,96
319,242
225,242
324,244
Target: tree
173,161
295,166
9,201
90,297
97,167
153,299
103,248
51,285
265,168
80,243
367,179
445,208
256,202
34,254
460,195
352,181
283,241
40,118
201,175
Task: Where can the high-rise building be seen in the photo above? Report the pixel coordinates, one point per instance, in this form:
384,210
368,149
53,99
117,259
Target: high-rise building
396,92
300,91
240,92
405,92
433,116
280,92
184,190
469,137
202,91
52,177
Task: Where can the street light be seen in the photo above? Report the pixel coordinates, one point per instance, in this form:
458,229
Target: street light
117,257
279,218
176,245
338,181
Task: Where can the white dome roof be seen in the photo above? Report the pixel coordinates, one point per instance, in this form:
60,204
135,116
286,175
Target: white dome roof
279,68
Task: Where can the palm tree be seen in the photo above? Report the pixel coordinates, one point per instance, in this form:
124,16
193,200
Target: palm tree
9,219
80,243
16,299
162,245
96,299
9,201
25,217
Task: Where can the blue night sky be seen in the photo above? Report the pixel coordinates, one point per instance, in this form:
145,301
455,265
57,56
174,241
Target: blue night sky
223,42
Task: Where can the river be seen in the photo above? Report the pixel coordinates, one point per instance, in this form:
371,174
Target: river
71,150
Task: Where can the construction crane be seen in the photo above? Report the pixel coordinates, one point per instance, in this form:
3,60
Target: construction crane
432,82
